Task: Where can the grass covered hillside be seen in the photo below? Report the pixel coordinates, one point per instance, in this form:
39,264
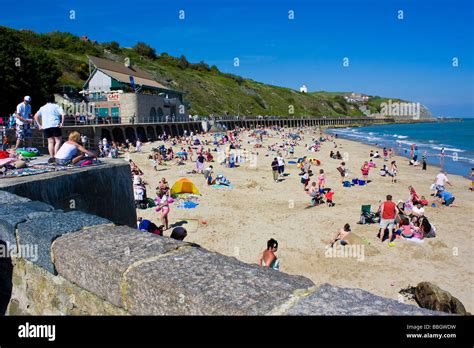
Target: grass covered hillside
208,90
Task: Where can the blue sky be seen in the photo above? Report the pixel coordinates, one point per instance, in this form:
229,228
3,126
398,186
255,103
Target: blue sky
409,58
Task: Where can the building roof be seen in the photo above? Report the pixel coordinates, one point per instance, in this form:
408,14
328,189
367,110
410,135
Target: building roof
122,73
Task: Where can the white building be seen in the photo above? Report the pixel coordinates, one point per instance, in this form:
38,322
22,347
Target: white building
121,91
304,89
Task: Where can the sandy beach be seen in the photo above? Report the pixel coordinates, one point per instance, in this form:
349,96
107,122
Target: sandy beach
239,221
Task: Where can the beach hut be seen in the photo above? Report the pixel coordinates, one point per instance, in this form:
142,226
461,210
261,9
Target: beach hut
184,185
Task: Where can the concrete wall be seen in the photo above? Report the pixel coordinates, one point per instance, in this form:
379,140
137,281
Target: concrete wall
104,190
85,264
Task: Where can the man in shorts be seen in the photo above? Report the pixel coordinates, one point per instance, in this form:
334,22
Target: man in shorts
388,213
52,119
23,122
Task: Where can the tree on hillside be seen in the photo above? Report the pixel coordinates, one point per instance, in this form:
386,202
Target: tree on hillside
144,50
24,72
113,46
183,62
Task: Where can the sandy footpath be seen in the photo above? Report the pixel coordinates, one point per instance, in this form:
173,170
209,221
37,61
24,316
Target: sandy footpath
242,219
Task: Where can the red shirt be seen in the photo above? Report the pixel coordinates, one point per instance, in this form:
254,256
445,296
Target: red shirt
329,195
388,210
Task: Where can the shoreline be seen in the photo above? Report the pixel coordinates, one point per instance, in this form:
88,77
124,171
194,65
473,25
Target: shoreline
239,221
400,152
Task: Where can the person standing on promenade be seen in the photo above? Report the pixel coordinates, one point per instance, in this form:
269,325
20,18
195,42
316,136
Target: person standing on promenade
52,119
23,123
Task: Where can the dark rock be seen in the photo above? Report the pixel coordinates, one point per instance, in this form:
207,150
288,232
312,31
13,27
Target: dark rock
431,296
12,214
37,235
9,198
331,300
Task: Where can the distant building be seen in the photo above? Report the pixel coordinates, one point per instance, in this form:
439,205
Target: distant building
356,98
304,89
120,90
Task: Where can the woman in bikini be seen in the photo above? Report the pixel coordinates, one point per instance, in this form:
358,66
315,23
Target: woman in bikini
268,257
165,209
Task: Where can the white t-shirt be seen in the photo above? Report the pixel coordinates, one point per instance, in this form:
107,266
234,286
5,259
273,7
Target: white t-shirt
24,110
50,115
441,179
420,211
281,161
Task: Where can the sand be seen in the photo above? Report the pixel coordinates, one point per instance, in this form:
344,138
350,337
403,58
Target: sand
239,221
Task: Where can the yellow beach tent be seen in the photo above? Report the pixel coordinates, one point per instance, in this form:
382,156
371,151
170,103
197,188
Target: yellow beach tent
184,185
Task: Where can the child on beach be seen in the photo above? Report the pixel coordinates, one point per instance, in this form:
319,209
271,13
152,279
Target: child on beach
305,180
341,235
321,180
329,198
365,170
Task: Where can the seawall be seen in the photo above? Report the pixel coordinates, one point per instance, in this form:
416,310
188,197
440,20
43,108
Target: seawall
87,264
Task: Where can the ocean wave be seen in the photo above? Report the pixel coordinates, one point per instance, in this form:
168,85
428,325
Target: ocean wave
447,149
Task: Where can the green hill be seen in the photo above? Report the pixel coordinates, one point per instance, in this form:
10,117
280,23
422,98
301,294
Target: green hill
208,90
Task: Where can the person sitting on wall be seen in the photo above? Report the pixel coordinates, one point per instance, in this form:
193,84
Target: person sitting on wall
71,152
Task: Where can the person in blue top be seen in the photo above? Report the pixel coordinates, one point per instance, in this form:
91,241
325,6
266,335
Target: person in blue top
446,198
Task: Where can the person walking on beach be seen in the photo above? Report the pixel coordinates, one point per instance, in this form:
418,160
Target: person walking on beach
23,123
423,159
52,119
268,257
393,171
275,169
165,209
200,163
388,212
321,180
281,164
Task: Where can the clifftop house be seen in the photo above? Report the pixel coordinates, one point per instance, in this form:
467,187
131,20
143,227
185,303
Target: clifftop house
356,98
119,90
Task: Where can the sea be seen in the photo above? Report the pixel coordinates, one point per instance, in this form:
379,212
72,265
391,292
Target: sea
455,136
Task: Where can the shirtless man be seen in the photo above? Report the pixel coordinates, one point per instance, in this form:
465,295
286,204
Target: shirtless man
341,235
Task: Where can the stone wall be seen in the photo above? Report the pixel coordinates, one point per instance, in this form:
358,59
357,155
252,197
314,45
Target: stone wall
104,190
86,264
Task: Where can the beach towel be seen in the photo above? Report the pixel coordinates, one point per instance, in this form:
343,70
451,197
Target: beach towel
415,240
220,186
187,205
